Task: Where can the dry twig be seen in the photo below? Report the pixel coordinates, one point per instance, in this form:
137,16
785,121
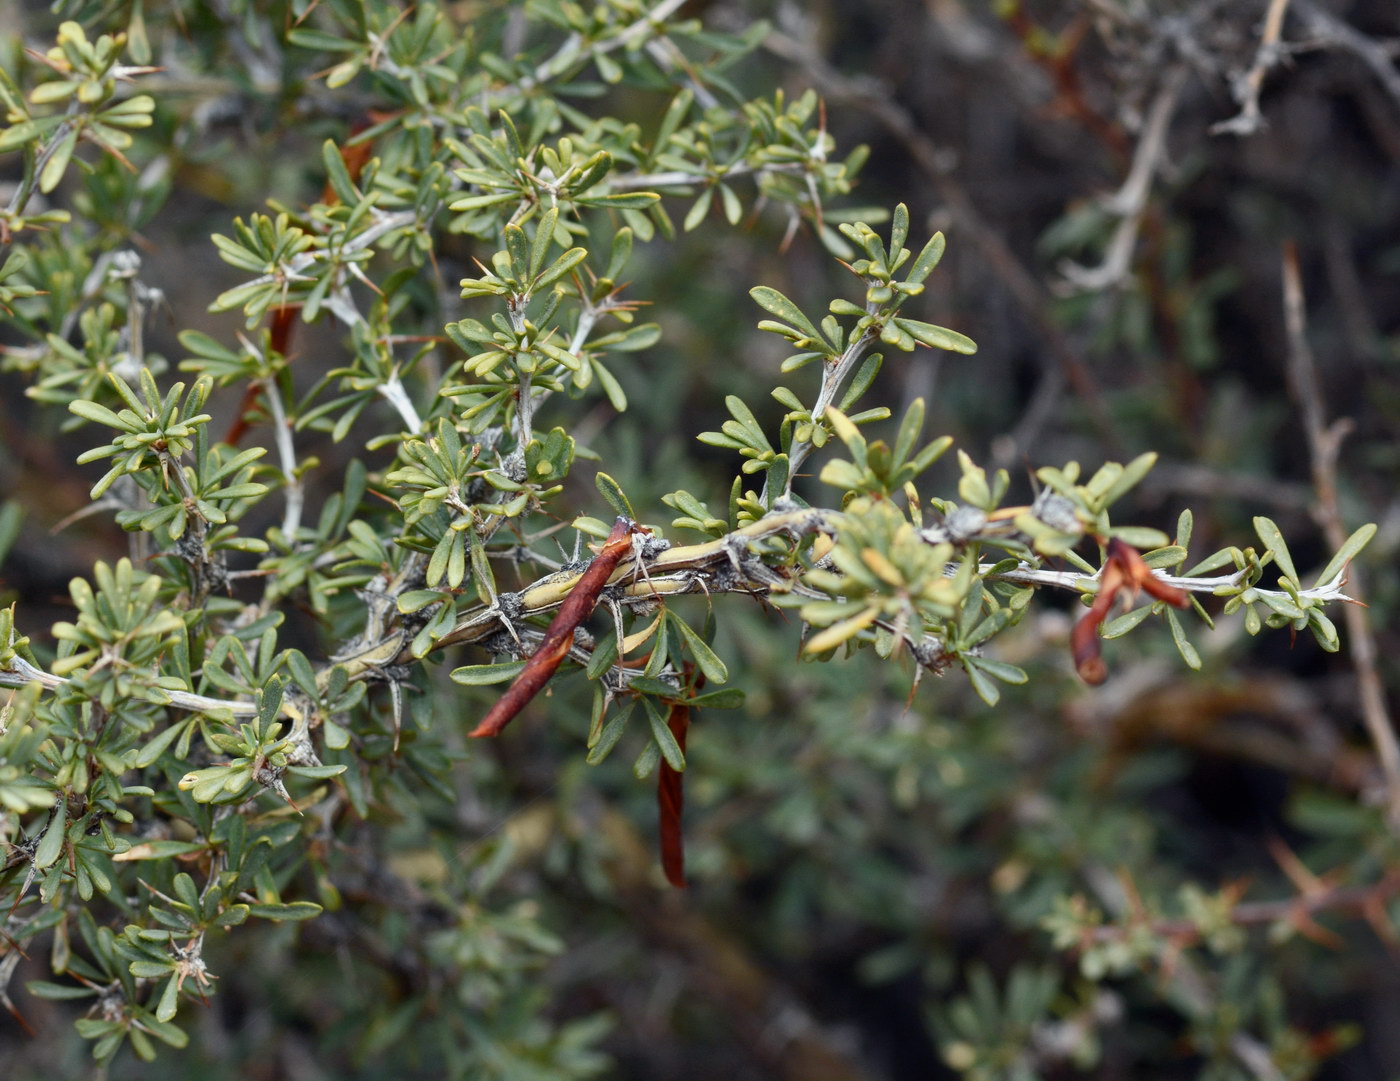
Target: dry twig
1248,85
1129,202
1332,32
1324,441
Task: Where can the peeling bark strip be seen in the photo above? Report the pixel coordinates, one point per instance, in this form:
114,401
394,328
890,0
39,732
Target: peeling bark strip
559,637
1122,567
670,801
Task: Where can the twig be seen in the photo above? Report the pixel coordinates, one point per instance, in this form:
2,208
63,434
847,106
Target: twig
22,672
724,565
573,50
1333,32
1255,1057
1248,86
832,379
393,392
286,455
1250,913
291,269
1130,201
676,178
1324,442
1325,592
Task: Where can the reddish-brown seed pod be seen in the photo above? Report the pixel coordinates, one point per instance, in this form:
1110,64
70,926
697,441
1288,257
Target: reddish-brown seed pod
670,801
1138,575
1084,639
1123,566
559,636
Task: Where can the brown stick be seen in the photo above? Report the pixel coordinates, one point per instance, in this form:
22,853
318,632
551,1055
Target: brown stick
577,607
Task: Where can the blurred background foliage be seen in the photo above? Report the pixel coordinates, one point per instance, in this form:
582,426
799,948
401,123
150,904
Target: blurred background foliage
882,888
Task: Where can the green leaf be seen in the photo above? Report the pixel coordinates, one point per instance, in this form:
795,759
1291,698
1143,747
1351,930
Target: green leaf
1214,562
337,175
320,773
1282,605
608,737
482,675
772,301
675,113
147,754
1116,628
724,698
518,248
301,671
1170,556
1007,673
99,414
16,136
52,845
733,209
1130,477
169,997
297,910
59,992
616,497
936,336
544,238
698,210
984,685
1274,542
909,430
1324,630
159,850
778,474
665,740
658,687
1185,648
714,668
233,916
638,200
927,259
57,164
899,231
561,266
646,761
865,375
307,38
1349,550
478,202
1139,536
1185,523
164,1031
415,600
